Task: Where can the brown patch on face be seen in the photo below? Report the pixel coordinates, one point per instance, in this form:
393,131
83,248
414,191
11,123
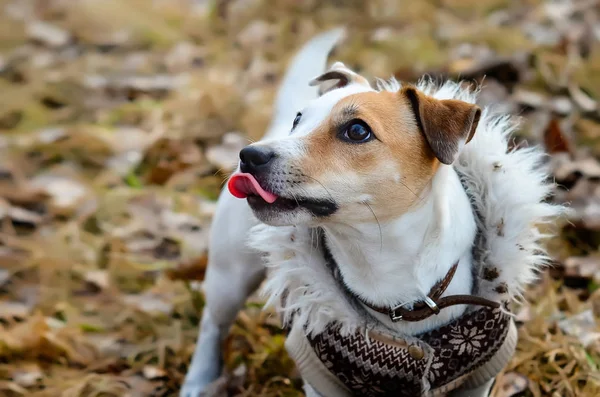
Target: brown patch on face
388,172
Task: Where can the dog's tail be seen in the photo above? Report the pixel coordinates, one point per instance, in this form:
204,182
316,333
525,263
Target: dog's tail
294,91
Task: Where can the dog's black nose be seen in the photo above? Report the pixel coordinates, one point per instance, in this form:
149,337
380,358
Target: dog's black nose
255,157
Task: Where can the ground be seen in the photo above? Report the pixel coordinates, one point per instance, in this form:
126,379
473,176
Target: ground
120,119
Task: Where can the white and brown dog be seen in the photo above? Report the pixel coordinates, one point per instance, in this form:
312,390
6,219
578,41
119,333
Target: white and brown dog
396,224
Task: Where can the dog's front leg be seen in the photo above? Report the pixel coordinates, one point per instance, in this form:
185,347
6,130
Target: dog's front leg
309,391
226,293
234,272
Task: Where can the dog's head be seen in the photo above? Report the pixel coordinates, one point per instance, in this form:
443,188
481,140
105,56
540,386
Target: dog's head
353,153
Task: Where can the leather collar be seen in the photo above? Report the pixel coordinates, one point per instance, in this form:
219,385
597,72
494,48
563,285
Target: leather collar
421,310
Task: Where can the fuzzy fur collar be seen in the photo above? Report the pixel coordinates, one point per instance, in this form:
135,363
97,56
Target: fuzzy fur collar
508,189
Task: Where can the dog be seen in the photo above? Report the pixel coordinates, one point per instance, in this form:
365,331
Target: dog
396,224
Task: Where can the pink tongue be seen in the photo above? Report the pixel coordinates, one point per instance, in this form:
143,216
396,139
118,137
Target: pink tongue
242,185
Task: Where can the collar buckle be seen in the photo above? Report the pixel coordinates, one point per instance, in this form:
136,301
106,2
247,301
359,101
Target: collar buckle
393,316
393,313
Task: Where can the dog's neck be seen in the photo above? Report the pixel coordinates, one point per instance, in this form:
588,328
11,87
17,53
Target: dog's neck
398,262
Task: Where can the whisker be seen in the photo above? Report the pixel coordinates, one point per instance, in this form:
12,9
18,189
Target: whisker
220,170
295,198
401,182
364,203
226,176
312,232
428,182
347,225
323,186
378,225
410,190
339,222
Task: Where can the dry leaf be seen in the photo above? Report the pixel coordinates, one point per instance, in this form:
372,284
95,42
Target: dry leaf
554,139
564,167
48,34
583,326
14,310
510,384
28,375
4,276
586,267
149,303
152,373
582,99
98,278
190,270
66,193
226,155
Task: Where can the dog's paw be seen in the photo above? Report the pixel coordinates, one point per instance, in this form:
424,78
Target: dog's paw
192,389
205,388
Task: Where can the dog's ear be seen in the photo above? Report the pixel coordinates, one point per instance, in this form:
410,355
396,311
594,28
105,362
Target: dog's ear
337,76
446,124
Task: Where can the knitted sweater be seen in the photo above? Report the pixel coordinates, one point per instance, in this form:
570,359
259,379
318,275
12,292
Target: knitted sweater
467,352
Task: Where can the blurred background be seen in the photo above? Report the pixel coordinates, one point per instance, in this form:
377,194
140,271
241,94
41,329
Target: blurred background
120,120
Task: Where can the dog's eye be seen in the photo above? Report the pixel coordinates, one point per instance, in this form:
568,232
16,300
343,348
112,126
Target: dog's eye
296,120
357,132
